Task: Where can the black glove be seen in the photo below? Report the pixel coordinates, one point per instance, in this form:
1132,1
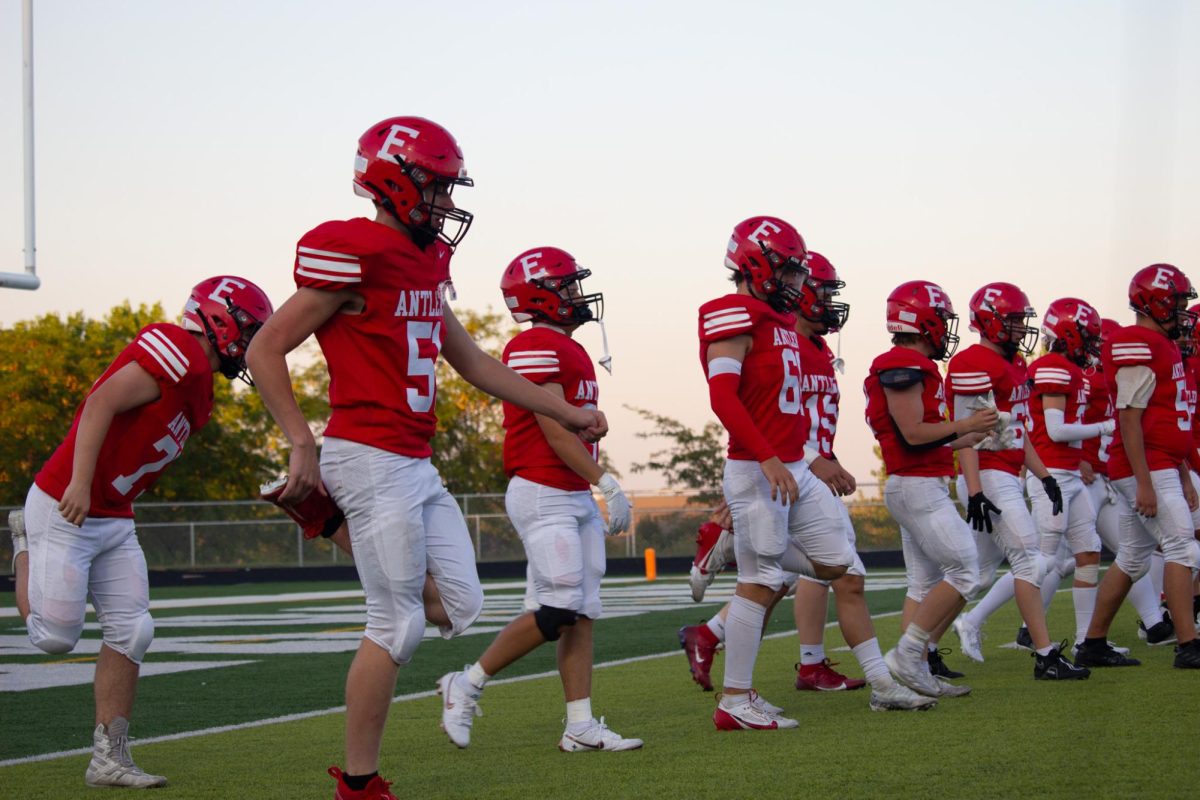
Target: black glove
1054,493
979,511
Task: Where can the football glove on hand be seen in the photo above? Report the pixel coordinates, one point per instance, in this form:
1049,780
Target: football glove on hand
979,511
316,514
620,510
1054,493
1108,427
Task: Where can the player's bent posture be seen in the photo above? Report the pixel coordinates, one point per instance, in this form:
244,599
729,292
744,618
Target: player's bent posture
373,291
549,500
906,410
1147,462
750,353
76,536
993,373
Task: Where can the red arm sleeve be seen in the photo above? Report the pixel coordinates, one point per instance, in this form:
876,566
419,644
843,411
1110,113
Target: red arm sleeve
723,397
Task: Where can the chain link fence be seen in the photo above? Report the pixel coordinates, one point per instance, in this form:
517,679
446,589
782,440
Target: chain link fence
215,535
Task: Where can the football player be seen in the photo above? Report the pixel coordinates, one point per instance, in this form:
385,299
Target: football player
549,500
906,410
374,292
993,373
1058,405
750,354
1147,461
76,535
819,314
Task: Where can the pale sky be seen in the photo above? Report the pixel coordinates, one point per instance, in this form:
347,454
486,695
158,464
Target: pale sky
1051,144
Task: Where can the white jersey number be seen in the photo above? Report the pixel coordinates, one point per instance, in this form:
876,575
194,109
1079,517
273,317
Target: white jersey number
789,392
419,367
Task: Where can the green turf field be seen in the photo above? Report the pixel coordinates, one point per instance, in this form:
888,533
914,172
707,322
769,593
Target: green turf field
1012,738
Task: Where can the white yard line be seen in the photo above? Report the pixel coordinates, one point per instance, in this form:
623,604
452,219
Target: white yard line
172,737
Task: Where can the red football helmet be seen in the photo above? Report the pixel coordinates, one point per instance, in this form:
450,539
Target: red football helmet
817,293
1161,292
1188,344
1107,328
407,165
228,311
923,308
761,249
1072,327
546,284
1000,312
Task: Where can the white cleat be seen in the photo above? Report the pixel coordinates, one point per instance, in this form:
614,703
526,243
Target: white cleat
111,763
953,689
897,697
598,737
768,708
751,716
460,706
913,673
970,639
712,557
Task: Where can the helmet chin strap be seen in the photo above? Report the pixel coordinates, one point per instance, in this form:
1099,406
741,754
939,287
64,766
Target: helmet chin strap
838,363
606,359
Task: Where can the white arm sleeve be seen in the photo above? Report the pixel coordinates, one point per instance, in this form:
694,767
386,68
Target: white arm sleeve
1060,431
1134,386
967,404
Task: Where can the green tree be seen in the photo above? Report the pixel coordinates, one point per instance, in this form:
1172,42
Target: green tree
691,460
468,449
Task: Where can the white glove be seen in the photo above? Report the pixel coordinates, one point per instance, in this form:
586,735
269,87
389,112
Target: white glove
1110,492
619,507
1108,427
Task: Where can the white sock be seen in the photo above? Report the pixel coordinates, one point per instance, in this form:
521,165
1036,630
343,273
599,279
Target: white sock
734,700
743,634
477,677
1001,592
579,715
912,644
1144,599
717,626
1156,573
1044,651
1085,605
811,654
871,660
1050,587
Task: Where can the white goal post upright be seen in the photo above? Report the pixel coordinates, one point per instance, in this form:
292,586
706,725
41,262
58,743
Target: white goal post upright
27,279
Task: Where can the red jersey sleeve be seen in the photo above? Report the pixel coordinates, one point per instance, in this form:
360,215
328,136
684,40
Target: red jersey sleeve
170,354
967,376
533,358
1051,374
1128,349
725,318
329,258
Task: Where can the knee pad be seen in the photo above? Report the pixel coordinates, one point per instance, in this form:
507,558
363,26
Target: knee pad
401,639
550,619
53,638
131,638
462,618
1135,570
1088,574
965,581
1064,566
1183,552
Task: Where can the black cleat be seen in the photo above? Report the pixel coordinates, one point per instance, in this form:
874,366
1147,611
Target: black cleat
1196,608
937,665
1055,667
1101,654
1024,640
1187,655
1158,634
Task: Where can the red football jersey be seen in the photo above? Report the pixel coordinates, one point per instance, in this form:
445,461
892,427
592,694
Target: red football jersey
1054,374
1167,420
898,458
141,442
382,384
546,355
1100,408
979,370
771,377
819,391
